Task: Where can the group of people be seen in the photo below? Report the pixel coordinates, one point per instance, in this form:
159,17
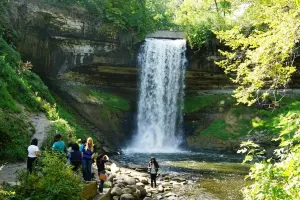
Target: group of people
83,155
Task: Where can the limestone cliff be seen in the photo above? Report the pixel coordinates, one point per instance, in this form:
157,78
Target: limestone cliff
80,60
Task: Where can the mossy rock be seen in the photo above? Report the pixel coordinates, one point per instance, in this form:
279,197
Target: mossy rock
89,191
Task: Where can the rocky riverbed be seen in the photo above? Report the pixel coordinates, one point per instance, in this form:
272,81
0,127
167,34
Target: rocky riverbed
130,184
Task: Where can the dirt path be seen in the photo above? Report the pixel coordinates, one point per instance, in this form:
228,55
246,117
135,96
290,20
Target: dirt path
40,122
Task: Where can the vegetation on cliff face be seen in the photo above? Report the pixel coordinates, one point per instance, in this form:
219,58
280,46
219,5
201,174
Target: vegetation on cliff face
264,46
21,92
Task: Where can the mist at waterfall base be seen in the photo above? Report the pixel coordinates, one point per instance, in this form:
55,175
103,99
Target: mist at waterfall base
160,105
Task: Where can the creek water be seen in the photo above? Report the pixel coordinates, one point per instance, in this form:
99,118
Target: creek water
221,175
160,105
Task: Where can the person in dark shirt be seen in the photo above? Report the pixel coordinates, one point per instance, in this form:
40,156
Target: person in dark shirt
101,160
153,169
75,157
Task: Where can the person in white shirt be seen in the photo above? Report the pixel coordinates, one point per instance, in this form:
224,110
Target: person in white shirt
33,153
153,169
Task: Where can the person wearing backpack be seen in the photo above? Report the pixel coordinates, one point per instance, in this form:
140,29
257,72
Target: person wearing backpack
153,169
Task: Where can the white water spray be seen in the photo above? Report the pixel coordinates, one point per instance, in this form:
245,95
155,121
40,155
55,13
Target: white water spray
160,104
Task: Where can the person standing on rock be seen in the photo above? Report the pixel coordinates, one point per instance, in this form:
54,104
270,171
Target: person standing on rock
101,160
153,169
88,154
33,153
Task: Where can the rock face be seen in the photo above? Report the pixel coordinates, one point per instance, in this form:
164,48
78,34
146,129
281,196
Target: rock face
72,48
57,40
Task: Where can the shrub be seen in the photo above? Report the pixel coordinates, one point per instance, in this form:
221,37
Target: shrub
52,179
15,135
59,126
277,179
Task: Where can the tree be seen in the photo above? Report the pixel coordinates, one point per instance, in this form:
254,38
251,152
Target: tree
201,18
264,43
263,48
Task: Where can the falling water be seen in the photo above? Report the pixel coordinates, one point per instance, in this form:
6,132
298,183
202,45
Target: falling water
160,104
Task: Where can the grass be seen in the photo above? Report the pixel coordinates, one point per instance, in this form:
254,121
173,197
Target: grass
67,113
216,129
15,135
258,120
110,100
6,100
196,103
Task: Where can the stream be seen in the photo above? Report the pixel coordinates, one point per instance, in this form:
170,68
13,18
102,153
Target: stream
221,175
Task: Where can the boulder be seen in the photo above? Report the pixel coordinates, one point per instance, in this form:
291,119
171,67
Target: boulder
120,185
140,184
106,196
114,169
166,184
143,180
147,198
169,194
130,181
127,191
90,190
142,191
160,189
126,197
116,191
116,197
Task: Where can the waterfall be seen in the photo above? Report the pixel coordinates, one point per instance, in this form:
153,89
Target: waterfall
160,105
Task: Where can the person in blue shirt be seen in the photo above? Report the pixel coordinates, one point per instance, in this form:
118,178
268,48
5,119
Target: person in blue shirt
58,145
83,141
88,154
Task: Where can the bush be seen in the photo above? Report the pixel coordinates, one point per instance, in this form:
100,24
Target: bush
277,179
52,179
59,126
15,136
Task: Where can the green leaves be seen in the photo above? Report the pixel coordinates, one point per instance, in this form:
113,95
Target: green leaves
263,53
